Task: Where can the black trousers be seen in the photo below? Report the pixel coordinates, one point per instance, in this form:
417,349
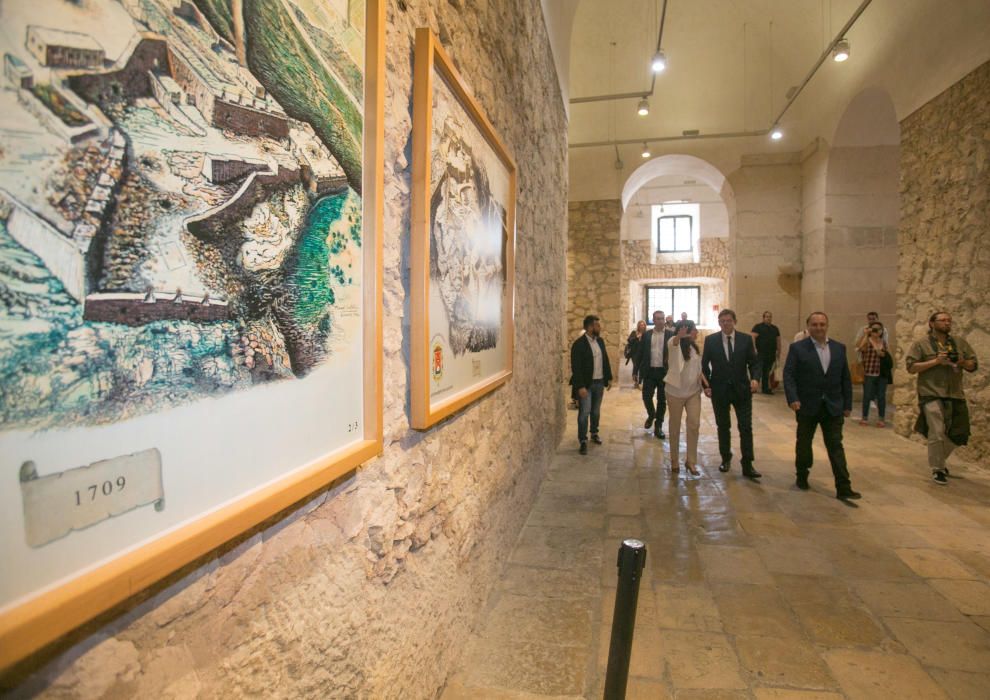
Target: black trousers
832,434
767,359
743,405
652,379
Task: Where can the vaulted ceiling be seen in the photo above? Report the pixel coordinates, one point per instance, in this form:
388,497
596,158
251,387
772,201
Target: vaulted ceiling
731,64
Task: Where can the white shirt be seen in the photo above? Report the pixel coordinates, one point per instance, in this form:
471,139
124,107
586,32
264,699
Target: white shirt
824,354
596,354
725,344
656,348
683,378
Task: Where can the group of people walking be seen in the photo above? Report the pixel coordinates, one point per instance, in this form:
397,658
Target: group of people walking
731,366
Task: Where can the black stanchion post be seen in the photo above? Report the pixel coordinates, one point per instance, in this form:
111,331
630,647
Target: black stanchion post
632,557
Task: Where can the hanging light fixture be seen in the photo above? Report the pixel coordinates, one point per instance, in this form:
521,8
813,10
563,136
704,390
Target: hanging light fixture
776,133
841,51
644,107
646,150
659,62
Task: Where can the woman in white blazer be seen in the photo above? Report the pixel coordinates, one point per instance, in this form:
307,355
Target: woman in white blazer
684,383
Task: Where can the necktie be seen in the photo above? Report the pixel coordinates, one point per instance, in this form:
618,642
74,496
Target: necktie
730,348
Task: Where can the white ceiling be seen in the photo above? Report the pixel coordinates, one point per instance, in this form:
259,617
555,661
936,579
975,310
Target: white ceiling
730,71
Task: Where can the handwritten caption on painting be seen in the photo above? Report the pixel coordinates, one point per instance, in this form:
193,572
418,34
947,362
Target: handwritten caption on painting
57,504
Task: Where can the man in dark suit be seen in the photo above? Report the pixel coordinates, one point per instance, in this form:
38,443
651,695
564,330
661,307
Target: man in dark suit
819,390
732,368
652,370
591,375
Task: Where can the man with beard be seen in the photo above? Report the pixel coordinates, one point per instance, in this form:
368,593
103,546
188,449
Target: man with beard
591,375
652,371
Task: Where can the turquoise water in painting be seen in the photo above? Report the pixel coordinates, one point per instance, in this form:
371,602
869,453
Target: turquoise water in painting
333,223
58,369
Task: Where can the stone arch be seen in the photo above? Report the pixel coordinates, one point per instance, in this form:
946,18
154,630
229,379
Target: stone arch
869,120
859,248
674,164
710,270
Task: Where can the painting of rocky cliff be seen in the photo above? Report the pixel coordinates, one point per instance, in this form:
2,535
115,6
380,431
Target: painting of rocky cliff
180,201
462,244
467,227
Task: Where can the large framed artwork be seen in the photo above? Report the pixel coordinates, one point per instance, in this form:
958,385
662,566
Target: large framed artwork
190,284
463,232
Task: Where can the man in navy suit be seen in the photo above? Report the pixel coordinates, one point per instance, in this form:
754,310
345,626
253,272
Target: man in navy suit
819,390
732,368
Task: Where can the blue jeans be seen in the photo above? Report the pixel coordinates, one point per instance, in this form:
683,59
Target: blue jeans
874,389
591,405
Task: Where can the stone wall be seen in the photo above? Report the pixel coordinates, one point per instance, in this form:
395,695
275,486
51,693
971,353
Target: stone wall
371,589
944,252
593,267
814,170
712,267
860,237
766,236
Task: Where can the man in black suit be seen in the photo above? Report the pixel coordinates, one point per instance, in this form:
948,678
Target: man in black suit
652,370
591,375
819,390
731,367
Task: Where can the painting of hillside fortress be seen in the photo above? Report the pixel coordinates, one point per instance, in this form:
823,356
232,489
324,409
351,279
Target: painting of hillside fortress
180,200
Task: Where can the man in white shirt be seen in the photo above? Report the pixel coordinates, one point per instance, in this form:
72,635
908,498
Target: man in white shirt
732,370
652,370
819,391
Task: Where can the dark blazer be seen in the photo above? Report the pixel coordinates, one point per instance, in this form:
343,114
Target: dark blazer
720,374
583,363
804,380
646,346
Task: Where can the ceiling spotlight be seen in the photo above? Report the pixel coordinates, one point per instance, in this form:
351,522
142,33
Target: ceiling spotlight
776,134
841,51
659,62
644,108
646,150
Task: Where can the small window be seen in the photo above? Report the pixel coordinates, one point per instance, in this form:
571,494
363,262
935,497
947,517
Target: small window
675,234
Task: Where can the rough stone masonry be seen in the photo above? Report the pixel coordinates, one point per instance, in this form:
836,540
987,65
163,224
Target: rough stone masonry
944,261
371,589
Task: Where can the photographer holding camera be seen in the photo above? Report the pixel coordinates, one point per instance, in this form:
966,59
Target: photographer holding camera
877,365
938,360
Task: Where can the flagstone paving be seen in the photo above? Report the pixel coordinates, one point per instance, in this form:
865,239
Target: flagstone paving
750,590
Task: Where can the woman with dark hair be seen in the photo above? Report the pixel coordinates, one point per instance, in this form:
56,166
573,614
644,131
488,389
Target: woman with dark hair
684,382
876,368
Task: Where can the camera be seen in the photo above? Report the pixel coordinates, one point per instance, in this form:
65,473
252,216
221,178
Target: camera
953,356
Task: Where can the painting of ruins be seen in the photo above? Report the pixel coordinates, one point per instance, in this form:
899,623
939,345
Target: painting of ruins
467,192
180,201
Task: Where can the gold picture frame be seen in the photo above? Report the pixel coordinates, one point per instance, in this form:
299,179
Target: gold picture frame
462,296
33,621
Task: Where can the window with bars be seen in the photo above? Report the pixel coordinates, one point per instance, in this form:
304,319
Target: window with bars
672,301
674,234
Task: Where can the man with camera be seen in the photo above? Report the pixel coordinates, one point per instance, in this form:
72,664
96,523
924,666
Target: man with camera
938,360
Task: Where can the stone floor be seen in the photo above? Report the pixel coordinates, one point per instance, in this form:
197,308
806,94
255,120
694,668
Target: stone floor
751,590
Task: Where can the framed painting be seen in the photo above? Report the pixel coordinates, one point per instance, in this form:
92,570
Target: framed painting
463,234
190,284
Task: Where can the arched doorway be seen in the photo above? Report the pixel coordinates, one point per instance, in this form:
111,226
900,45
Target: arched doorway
675,240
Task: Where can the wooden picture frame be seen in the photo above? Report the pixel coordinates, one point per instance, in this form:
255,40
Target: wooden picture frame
33,621
462,297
